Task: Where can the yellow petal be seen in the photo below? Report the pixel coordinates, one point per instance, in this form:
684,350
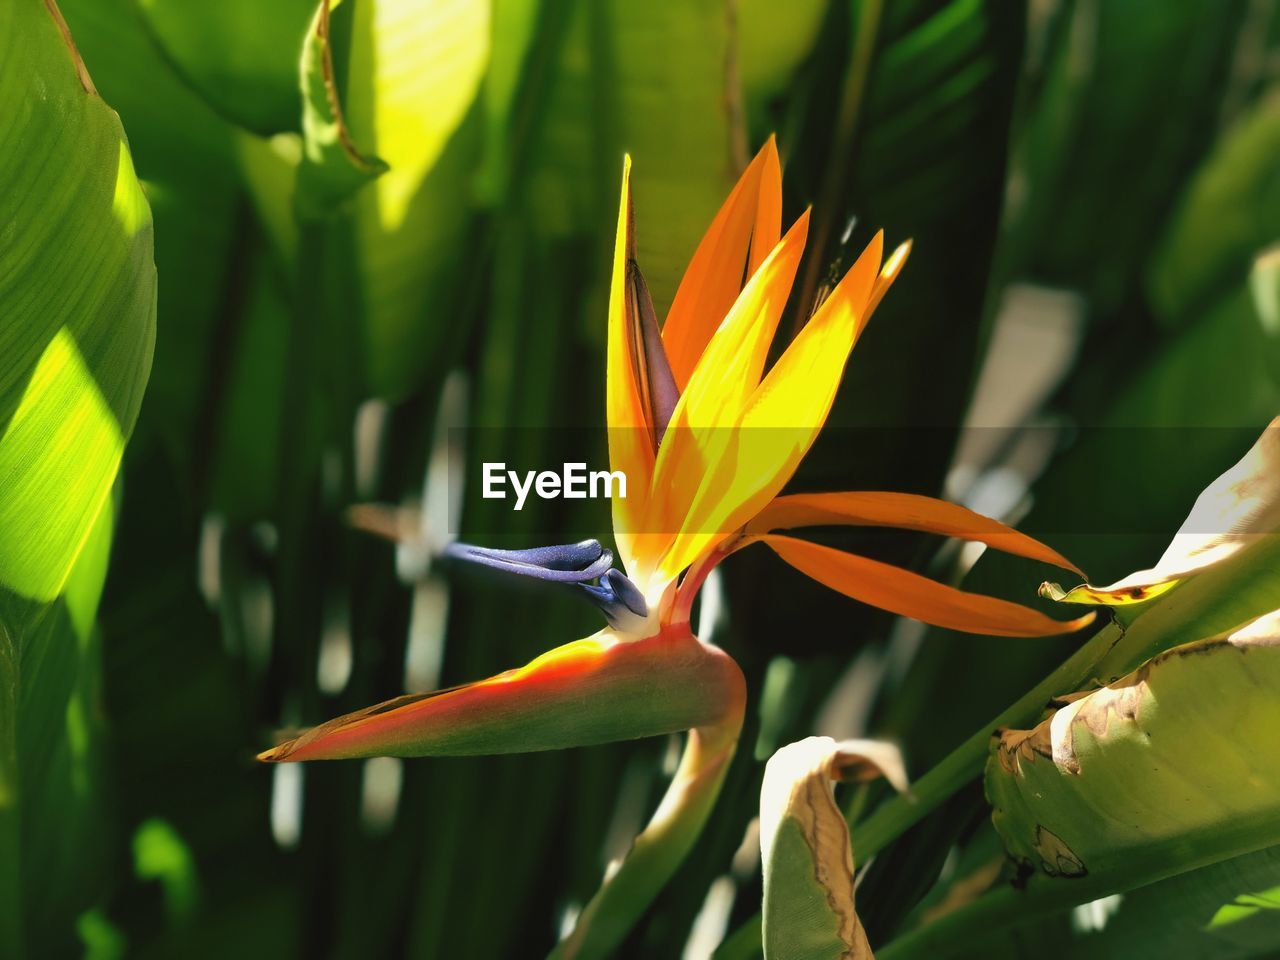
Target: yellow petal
911,595
705,418
751,218
781,420
731,366
630,446
907,511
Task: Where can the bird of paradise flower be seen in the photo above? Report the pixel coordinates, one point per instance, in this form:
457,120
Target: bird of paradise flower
707,438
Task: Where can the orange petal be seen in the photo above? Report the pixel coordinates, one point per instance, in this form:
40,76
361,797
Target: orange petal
907,511
911,595
768,226
751,218
888,274
630,443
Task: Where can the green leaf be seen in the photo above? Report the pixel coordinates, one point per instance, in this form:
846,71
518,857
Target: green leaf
50,731
1173,766
673,106
78,285
773,40
1093,151
241,55
1168,769
1229,212
79,291
1227,911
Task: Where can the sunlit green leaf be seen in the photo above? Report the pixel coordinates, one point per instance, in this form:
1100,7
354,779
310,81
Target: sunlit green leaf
413,75
78,288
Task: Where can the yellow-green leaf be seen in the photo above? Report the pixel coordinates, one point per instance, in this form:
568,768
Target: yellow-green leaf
414,74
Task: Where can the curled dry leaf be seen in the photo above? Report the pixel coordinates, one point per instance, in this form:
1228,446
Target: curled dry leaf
804,844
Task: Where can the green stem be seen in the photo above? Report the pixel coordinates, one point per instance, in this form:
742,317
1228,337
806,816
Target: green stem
659,850
966,761
297,584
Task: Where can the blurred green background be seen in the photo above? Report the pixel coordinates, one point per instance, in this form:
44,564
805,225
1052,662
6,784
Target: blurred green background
1080,342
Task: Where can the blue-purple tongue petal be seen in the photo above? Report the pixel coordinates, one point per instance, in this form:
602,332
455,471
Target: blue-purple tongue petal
627,592
618,599
657,383
564,563
577,564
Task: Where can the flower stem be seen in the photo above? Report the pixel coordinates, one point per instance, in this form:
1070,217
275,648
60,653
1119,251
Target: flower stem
659,850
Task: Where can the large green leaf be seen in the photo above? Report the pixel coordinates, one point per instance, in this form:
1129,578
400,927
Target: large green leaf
1168,769
1174,765
78,289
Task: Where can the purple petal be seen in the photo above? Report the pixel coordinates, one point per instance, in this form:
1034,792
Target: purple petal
657,383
